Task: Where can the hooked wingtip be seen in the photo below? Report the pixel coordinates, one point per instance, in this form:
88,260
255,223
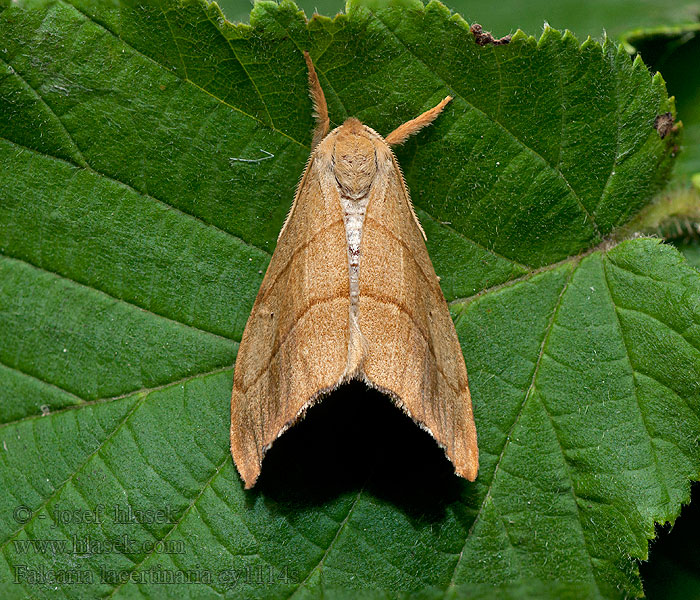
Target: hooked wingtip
249,474
468,467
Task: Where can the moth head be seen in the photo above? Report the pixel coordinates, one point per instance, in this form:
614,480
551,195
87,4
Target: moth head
354,159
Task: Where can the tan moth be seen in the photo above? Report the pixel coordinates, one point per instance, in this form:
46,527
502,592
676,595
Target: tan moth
351,293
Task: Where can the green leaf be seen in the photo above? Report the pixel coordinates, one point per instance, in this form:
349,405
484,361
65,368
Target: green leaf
583,18
133,247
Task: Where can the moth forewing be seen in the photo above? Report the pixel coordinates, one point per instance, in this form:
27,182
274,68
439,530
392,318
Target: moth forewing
414,353
304,297
350,293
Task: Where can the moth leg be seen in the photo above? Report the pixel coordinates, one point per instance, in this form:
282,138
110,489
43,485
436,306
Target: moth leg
319,102
403,132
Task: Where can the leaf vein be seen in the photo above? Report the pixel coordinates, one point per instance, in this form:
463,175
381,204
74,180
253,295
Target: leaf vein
103,400
341,527
57,490
43,102
240,62
175,525
141,193
617,147
527,395
44,382
495,120
621,333
117,299
186,79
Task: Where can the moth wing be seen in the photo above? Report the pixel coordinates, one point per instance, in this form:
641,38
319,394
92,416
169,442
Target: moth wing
412,350
295,343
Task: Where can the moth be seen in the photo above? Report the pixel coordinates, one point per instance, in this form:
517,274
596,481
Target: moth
351,293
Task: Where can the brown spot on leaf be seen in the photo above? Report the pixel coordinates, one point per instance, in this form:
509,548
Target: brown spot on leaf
664,124
484,38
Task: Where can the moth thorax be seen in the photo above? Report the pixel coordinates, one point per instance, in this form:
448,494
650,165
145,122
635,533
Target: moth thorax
355,163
